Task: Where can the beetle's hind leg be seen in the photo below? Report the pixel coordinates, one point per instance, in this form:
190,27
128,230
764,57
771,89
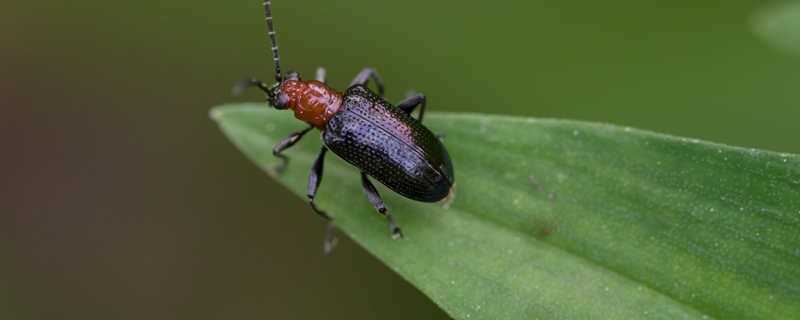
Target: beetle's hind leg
286,144
376,201
314,180
367,74
412,100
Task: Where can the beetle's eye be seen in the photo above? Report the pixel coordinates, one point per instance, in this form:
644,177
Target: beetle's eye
281,101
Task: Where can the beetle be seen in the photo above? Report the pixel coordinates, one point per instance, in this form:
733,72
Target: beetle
383,141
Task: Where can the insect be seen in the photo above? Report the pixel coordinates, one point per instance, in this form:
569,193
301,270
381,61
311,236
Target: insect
383,141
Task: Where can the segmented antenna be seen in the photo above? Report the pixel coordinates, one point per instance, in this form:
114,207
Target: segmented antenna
271,33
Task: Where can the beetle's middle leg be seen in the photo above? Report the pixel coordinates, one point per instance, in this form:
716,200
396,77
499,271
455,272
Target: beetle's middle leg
376,201
320,75
413,100
369,74
286,144
314,180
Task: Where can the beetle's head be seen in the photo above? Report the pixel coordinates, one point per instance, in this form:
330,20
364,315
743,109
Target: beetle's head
277,98
276,94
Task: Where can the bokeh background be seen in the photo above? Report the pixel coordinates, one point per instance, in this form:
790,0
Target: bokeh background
122,200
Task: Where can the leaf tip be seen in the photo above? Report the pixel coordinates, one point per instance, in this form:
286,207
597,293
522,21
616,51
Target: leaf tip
216,114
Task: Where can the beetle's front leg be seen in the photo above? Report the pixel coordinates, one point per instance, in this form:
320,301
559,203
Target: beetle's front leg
413,100
365,75
376,201
245,83
286,144
314,180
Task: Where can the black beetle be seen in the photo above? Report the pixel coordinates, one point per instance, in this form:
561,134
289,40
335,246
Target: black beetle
381,140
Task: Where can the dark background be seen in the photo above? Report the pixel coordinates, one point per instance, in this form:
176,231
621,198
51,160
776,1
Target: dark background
122,200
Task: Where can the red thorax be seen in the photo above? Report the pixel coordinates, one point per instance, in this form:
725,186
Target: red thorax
312,101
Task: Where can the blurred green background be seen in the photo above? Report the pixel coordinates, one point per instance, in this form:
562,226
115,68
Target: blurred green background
124,201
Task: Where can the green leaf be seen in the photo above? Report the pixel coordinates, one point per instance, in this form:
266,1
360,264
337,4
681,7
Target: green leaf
571,220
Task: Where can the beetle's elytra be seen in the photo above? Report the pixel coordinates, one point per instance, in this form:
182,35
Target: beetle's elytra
383,141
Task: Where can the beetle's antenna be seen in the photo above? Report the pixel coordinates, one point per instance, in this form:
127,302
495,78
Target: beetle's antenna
271,33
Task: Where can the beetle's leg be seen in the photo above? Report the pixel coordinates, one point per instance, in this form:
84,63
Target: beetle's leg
376,201
413,100
314,179
245,83
320,74
365,75
330,240
285,144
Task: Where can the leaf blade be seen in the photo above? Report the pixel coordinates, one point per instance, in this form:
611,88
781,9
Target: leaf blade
562,219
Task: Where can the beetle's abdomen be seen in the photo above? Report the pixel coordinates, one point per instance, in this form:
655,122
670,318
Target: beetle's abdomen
390,146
